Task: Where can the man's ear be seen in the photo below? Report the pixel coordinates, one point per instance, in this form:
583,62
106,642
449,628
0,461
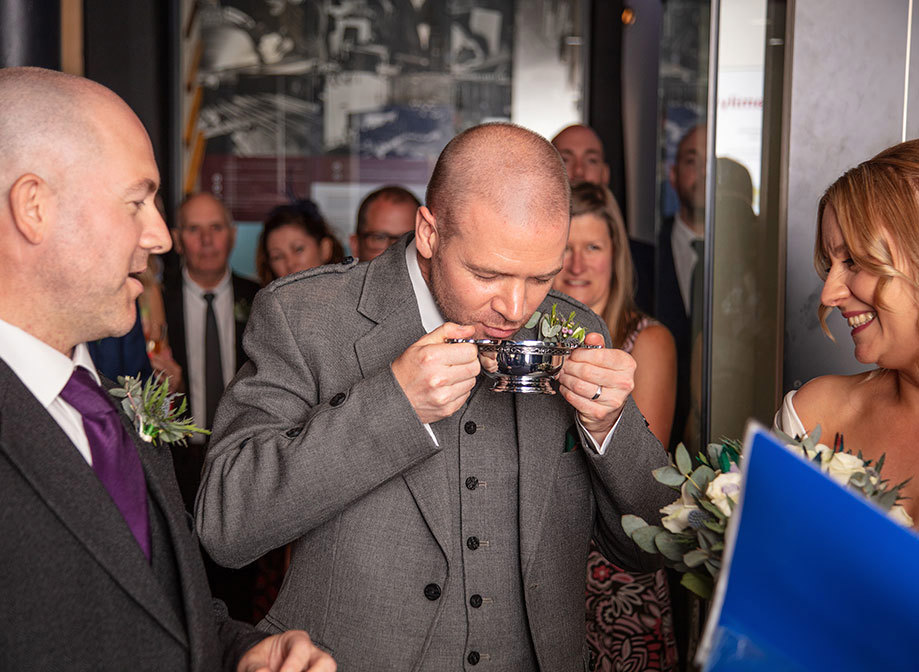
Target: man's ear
427,237
325,250
673,175
33,207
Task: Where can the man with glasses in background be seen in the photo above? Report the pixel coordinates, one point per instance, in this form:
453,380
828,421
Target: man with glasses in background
384,215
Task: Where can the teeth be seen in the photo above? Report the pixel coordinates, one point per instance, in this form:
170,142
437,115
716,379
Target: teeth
860,319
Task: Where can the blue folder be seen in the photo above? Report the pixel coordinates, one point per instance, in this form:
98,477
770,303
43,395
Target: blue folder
814,578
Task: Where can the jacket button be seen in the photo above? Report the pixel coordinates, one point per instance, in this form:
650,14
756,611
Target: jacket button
337,399
470,427
472,483
432,591
472,543
347,260
475,601
293,432
473,657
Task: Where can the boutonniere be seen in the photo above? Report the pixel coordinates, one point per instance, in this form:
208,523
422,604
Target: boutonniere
241,310
150,407
555,329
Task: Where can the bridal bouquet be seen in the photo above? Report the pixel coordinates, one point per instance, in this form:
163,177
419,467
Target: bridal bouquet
691,535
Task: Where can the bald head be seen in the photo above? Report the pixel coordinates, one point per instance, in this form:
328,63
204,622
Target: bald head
501,166
50,122
582,151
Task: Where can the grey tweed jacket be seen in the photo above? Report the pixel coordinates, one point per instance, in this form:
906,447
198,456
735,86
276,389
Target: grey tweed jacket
316,444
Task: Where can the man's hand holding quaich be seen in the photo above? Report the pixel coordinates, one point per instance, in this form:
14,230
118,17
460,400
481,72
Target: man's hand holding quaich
437,377
597,382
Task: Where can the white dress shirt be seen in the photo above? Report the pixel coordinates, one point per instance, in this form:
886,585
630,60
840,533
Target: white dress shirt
431,319
195,325
684,257
45,371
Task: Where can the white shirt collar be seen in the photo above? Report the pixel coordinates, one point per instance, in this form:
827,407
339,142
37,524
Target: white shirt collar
41,368
221,287
683,232
431,318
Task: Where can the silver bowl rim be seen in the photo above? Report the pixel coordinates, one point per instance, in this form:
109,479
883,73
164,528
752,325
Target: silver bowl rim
554,348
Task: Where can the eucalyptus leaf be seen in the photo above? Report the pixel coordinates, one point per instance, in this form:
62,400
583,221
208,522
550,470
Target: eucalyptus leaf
714,527
695,558
670,545
668,476
532,322
815,435
553,331
701,586
714,454
631,523
712,509
683,461
702,476
644,537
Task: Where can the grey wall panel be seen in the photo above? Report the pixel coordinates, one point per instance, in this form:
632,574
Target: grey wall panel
848,60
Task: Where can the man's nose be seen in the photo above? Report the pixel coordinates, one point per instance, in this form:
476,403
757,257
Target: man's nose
511,302
835,289
155,236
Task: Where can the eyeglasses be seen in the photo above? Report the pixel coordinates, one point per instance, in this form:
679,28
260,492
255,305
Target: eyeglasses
377,240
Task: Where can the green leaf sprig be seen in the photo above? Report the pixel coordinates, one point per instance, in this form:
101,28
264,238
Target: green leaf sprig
555,329
151,408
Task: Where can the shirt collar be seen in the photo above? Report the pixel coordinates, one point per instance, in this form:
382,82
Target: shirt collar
683,232
431,317
221,287
41,368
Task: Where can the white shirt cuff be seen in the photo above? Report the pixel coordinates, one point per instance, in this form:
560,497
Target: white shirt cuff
588,440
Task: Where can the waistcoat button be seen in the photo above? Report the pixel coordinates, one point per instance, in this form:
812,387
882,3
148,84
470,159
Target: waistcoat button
432,591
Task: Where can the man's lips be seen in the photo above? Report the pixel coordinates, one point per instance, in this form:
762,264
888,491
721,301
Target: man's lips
495,332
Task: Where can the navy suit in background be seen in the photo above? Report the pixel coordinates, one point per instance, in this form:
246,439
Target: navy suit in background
124,356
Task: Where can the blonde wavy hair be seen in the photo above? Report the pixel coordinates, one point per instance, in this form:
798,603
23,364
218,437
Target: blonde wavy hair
620,314
876,200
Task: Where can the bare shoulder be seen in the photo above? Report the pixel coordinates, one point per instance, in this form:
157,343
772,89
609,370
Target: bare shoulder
831,400
656,337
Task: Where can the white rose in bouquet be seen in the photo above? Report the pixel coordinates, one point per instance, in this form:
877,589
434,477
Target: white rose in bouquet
723,488
899,514
676,515
842,466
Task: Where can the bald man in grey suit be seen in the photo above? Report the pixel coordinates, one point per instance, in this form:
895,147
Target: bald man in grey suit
435,524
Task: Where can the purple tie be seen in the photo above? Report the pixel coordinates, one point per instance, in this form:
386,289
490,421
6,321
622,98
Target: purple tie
115,459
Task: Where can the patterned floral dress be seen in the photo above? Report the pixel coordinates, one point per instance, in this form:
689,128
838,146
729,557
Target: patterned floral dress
629,620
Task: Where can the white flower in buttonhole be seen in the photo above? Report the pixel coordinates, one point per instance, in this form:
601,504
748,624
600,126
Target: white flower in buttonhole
723,488
842,466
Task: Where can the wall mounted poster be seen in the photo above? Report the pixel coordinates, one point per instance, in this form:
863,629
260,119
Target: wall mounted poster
297,92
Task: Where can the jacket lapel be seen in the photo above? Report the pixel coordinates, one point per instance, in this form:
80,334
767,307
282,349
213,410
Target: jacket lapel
51,464
388,300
